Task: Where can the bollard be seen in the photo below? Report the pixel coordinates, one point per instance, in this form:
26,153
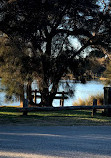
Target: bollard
107,100
25,105
94,104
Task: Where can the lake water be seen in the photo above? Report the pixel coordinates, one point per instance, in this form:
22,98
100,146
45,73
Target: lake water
82,91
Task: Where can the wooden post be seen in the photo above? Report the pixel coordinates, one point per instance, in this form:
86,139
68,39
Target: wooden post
62,100
94,104
107,100
25,105
25,113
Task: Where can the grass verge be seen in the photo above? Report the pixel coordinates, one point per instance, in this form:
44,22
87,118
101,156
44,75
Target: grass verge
10,115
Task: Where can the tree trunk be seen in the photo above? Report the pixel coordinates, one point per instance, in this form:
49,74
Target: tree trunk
47,95
29,93
46,98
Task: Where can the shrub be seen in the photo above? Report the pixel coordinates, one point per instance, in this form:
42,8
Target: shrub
89,101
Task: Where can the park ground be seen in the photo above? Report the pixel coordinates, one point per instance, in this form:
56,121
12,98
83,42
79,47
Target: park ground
11,116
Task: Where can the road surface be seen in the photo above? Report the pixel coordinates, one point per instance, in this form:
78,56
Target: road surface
55,142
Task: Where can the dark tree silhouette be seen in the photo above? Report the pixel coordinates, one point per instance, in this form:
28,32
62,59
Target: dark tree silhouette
39,32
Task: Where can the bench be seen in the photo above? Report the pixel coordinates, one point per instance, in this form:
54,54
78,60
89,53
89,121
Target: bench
36,95
59,95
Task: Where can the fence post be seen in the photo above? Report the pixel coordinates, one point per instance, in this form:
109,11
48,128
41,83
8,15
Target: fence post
94,104
25,105
107,100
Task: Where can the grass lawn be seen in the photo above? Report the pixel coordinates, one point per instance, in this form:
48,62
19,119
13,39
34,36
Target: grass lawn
10,115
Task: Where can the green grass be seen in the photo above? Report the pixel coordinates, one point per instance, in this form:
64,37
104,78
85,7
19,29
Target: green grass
9,115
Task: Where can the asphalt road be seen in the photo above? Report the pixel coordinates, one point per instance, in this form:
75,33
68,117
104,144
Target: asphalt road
50,142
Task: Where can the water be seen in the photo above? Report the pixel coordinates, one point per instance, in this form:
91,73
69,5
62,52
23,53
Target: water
82,91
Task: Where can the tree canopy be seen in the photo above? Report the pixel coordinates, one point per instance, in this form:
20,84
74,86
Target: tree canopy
41,33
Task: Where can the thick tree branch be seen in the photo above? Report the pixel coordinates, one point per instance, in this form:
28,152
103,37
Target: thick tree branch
88,43
51,34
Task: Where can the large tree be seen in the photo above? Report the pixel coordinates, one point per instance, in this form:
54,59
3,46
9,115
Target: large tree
41,32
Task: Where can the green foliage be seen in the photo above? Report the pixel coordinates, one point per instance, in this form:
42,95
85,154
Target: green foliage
12,69
96,65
